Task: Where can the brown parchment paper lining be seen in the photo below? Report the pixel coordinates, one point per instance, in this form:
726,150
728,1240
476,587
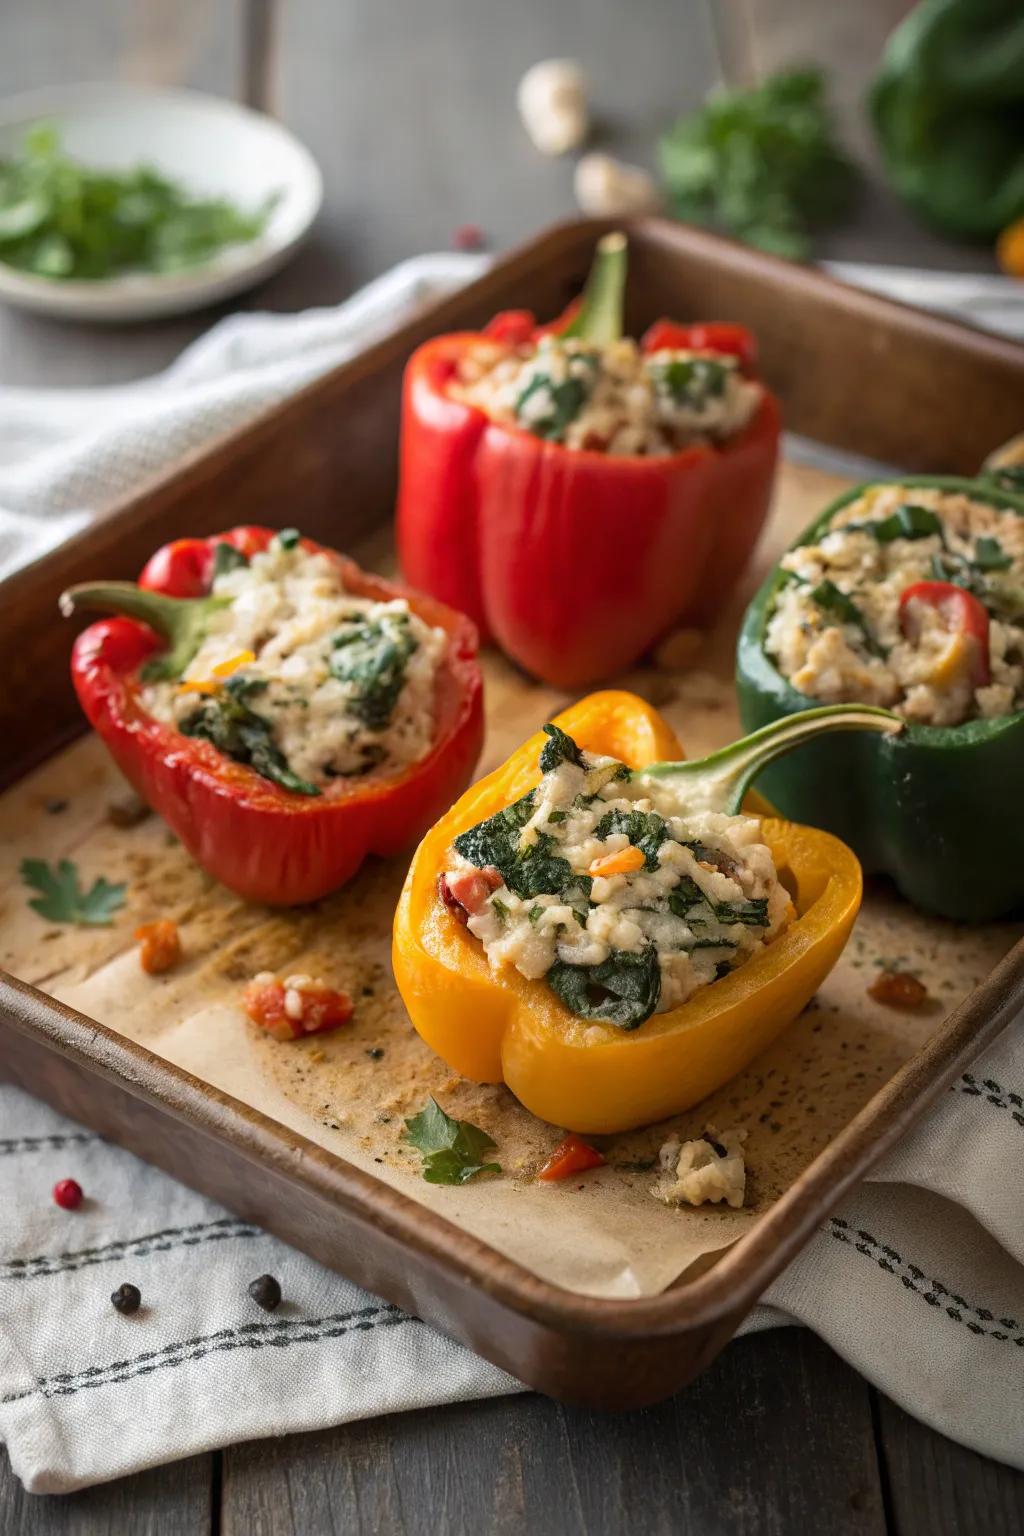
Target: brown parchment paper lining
602,1234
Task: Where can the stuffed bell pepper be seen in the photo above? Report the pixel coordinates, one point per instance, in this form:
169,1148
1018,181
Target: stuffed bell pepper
285,712
577,493
597,925
907,594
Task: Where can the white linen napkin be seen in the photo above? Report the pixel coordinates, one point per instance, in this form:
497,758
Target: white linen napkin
918,1280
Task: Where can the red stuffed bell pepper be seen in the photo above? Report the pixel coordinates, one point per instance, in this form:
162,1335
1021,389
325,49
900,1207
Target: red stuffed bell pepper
212,766
574,537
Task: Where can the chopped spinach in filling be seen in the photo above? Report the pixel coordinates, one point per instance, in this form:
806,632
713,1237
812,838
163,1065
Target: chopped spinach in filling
373,657
615,947
227,722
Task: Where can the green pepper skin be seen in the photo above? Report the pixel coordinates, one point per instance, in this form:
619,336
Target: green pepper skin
946,107
934,807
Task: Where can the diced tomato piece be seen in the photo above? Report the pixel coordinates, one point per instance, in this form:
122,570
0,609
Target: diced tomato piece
469,889
573,1155
710,336
961,613
898,989
512,327
290,1013
159,945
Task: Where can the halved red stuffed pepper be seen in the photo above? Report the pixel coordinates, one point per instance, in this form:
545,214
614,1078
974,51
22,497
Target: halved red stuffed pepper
578,494
285,712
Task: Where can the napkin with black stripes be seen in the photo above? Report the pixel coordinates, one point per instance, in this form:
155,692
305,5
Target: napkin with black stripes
918,1280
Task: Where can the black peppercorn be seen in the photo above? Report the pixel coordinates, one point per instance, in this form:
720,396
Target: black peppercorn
127,1298
375,1052
265,1292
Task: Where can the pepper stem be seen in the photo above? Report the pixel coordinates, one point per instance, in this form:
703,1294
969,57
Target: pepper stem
181,621
719,782
599,317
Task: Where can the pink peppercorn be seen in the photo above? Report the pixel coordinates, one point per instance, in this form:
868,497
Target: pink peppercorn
68,1194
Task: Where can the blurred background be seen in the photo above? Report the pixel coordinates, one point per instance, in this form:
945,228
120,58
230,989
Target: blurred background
409,106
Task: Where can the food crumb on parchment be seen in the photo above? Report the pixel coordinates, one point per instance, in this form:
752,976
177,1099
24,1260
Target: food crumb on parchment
704,1171
898,989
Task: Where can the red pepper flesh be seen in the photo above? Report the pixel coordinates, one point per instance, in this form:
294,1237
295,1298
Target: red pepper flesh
573,1155
264,842
574,561
961,612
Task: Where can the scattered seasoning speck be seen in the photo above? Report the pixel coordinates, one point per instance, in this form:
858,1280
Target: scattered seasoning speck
68,1194
54,807
126,1299
375,1052
265,1292
468,237
127,812
367,991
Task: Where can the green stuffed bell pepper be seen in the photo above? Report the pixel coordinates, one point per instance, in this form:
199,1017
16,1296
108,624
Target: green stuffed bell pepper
906,593
948,108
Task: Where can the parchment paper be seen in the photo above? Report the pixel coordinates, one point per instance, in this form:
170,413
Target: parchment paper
603,1234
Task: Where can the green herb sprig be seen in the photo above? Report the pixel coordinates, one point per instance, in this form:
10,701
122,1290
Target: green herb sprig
62,898
764,164
453,1150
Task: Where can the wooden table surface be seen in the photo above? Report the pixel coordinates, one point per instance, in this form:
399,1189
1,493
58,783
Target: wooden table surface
407,105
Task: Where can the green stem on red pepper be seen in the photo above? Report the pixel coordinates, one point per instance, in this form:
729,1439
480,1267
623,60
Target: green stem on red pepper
181,621
599,318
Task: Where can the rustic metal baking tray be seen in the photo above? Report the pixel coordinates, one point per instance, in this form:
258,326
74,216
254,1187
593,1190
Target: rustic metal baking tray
855,372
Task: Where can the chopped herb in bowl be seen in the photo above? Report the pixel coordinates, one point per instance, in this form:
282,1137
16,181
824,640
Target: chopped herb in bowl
62,219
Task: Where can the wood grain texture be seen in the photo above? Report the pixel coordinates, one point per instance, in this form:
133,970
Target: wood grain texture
745,1451
176,1500
938,1488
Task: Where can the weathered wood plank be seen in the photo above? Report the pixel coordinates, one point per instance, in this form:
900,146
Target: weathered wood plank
175,1500
939,1488
410,109
163,42
749,1448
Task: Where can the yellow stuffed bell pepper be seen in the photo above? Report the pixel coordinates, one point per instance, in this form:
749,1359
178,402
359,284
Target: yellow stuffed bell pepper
496,1025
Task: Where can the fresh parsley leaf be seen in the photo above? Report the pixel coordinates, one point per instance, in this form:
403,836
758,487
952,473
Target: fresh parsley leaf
373,656
226,721
227,558
535,913
692,382
622,990
559,749
833,600
452,1149
989,555
645,830
501,909
909,521
62,899
763,163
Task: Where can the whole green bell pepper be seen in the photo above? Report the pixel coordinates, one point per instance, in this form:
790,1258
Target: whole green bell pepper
934,807
948,110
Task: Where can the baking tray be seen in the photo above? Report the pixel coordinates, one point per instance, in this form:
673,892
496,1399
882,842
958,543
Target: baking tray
928,395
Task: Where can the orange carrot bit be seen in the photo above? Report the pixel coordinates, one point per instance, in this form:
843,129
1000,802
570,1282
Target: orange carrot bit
198,685
232,664
159,945
573,1155
1010,249
898,989
626,862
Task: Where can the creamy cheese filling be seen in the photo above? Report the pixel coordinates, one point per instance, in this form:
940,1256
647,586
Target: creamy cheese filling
333,684
696,894
614,399
856,647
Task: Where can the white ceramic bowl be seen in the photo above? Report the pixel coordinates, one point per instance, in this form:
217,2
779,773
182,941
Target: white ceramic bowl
214,147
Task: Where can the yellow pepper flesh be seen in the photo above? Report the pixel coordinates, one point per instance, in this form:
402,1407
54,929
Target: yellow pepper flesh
591,1077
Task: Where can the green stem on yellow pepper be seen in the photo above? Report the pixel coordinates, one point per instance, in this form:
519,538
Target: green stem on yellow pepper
720,781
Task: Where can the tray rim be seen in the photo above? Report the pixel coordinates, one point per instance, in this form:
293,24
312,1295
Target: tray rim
741,1271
